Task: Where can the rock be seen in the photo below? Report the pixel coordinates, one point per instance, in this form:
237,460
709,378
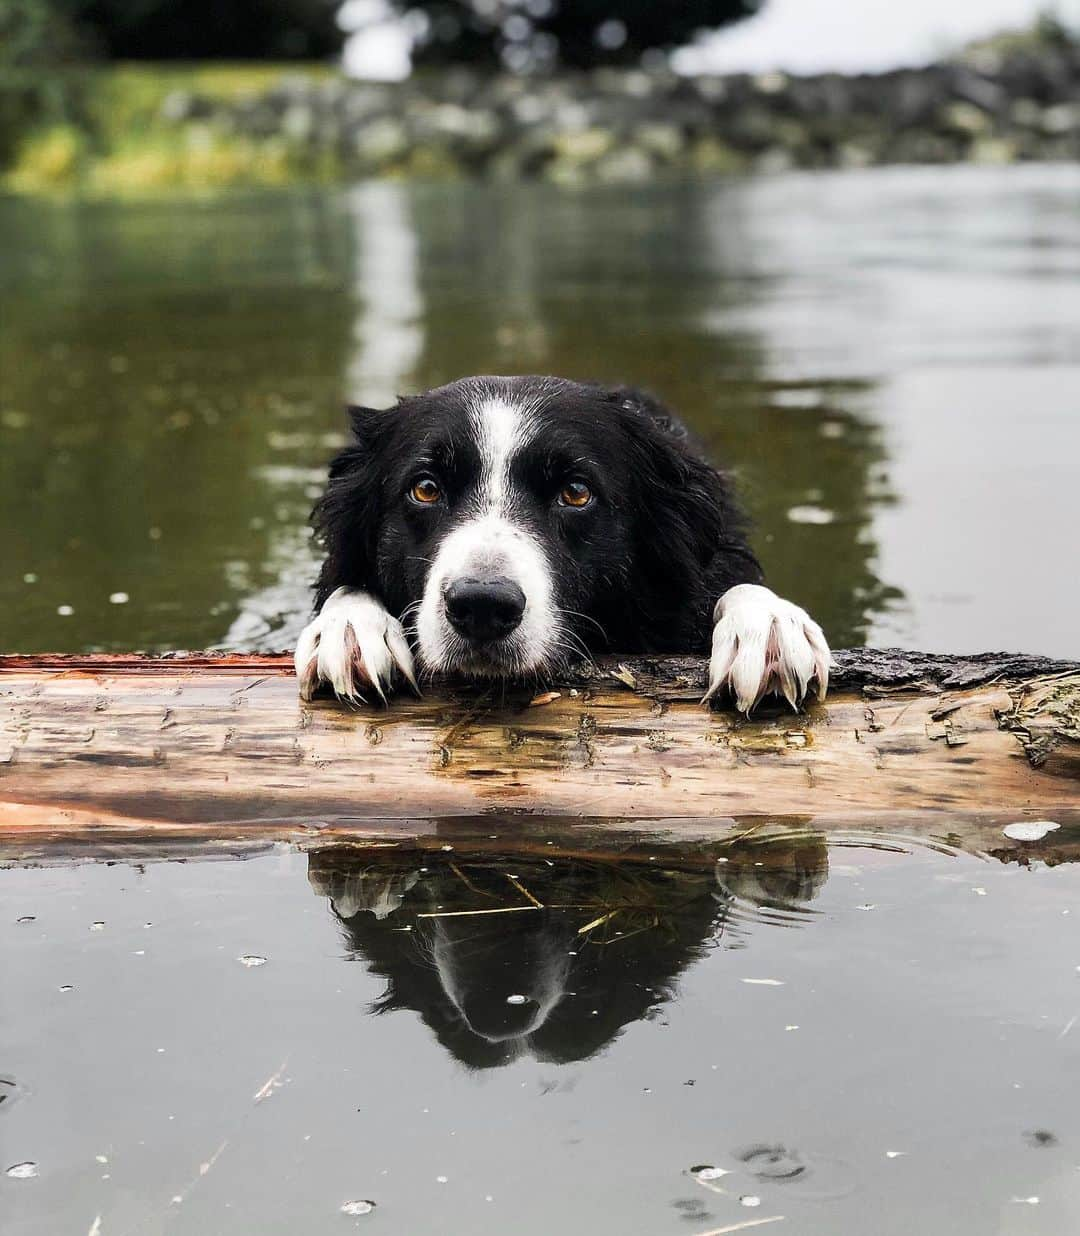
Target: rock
381,141
628,165
965,118
1061,118
663,141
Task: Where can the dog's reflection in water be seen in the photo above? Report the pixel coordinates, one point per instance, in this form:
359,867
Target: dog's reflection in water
462,941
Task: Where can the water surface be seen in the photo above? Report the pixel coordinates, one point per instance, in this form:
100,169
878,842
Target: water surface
857,1034
889,359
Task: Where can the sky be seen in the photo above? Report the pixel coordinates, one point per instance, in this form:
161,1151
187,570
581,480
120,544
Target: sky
801,36
813,36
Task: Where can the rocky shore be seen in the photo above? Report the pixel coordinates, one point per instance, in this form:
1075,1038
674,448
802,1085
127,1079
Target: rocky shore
630,125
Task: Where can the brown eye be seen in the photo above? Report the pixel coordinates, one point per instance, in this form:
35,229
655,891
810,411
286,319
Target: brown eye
575,493
425,490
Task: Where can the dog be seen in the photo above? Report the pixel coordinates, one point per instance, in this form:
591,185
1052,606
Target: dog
501,527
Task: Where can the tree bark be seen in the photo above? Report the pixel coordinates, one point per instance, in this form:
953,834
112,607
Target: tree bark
213,750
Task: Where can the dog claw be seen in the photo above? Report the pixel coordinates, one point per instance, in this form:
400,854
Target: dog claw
353,644
765,645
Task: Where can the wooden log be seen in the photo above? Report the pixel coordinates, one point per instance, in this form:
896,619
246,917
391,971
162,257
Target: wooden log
218,749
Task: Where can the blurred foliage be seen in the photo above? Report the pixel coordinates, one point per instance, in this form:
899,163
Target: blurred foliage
105,131
534,35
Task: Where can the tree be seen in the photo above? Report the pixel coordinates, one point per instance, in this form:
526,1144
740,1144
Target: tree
535,34
173,29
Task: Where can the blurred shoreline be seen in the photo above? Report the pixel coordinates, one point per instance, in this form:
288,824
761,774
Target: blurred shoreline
134,129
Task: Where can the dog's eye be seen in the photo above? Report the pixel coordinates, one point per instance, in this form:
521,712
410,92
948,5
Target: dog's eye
575,493
425,490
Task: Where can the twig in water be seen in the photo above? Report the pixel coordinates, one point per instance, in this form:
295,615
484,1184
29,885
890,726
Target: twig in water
524,891
270,1085
741,1227
469,884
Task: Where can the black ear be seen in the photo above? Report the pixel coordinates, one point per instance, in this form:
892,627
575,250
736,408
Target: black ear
690,534
346,517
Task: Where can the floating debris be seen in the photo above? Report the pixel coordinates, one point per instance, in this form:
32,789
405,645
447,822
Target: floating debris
810,515
98,926
360,1206
26,918
1029,830
764,982
867,905
708,1172
66,987
546,697
749,1199
1027,1201
251,959
517,999
118,598
442,1179
65,611
979,892
741,1227
22,1171
895,1154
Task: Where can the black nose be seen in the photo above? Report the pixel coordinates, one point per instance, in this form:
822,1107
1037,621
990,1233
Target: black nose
484,609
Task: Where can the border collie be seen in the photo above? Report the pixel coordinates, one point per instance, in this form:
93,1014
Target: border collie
503,526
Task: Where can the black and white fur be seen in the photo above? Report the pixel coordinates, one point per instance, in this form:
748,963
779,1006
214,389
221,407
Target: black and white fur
501,577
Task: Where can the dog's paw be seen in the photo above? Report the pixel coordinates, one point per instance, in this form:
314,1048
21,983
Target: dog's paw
763,644
354,645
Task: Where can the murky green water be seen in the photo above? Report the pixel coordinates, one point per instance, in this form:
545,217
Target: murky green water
856,1035
890,360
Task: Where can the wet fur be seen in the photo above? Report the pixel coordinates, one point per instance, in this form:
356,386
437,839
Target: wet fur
640,572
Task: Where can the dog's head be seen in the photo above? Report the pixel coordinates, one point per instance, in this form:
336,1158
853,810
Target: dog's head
516,521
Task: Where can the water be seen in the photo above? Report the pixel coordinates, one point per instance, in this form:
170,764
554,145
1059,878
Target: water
889,359
863,1034
822,1035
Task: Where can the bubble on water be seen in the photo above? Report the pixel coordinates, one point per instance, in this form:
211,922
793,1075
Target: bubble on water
1029,830
22,1171
517,999
748,1199
251,959
30,578
359,1206
442,1179
65,611
118,598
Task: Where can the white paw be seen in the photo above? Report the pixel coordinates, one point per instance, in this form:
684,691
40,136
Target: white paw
762,644
353,644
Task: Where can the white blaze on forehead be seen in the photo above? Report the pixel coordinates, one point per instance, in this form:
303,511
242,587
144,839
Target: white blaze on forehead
502,428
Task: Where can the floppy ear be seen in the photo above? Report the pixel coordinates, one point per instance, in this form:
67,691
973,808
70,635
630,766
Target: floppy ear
690,535
345,518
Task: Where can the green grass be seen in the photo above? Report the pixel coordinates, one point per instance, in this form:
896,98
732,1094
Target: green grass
113,140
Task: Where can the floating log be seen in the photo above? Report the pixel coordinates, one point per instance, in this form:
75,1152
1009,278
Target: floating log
216,749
